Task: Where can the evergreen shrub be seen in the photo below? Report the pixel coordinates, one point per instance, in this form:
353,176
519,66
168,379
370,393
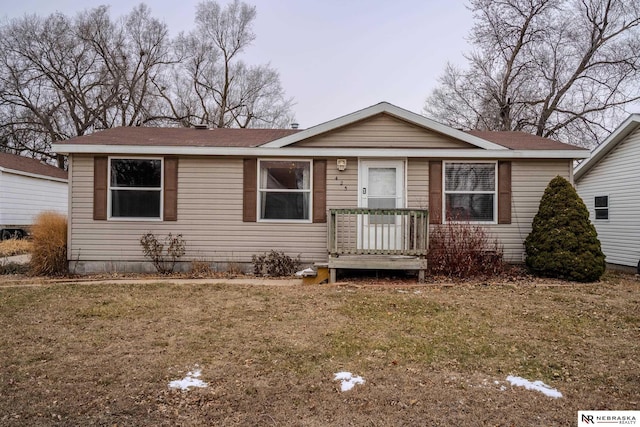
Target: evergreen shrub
563,242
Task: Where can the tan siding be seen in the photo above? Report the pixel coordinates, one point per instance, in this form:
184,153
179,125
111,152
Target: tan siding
342,186
418,183
529,180
210,212
383,131
209,218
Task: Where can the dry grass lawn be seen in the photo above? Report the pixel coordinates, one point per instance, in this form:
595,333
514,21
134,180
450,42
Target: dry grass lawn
12,247
78,354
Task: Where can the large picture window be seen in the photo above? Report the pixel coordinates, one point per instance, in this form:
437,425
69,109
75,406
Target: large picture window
135,188
284,190
470,191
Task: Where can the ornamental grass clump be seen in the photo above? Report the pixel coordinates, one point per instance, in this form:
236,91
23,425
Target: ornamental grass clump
49,245
563,242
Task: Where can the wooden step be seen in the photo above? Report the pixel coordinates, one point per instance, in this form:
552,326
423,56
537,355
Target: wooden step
322,275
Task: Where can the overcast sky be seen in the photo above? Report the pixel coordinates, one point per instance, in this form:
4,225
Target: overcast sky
334,56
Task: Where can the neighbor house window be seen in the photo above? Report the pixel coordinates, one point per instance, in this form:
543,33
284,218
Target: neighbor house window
470,191
284,190
135,188
601,204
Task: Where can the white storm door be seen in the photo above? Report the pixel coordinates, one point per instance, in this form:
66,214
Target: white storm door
381,187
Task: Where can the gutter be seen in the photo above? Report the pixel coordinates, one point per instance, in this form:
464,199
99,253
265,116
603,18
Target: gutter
320,152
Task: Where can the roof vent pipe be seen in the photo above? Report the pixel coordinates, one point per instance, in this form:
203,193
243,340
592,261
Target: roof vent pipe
294,125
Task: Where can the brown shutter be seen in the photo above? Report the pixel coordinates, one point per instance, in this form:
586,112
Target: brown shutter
435,192
504,192
319,191
100,167
170,189
250,190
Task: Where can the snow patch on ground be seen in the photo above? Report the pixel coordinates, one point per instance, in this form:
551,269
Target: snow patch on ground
349,380
536,385
191,380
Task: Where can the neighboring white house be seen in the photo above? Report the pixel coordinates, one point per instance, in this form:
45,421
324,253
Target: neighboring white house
609,184
28,187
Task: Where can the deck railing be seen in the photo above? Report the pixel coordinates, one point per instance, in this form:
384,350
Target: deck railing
362,231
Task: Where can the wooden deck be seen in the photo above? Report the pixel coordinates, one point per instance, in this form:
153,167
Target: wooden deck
378,239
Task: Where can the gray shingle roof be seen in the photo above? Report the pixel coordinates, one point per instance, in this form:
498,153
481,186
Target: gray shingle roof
522,141
25,164
222,137
182,137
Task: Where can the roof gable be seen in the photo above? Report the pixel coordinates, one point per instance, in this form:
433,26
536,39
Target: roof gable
391,110
13,162
382,131
598,153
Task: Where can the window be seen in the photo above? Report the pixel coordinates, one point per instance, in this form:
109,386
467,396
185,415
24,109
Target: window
470,191
284,190
601,204
135,188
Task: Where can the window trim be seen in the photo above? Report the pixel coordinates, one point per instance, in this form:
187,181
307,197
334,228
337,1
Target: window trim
160,189
601,208
494,192
260,190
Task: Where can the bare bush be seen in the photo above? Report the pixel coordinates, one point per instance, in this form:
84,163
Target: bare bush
274,264
200,268
463,250
234,268
163,255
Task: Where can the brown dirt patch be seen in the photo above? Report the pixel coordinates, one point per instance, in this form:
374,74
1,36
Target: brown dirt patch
78,354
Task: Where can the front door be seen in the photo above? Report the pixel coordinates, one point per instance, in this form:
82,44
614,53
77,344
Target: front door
381,187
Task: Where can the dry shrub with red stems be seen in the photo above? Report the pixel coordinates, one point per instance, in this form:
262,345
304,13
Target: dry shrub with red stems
462,250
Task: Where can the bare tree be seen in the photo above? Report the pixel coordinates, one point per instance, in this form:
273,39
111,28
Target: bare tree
213,85
564,69
46,83
63,77
136,52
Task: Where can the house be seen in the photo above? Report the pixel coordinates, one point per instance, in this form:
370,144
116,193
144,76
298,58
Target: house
609,184
28,187
352,192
